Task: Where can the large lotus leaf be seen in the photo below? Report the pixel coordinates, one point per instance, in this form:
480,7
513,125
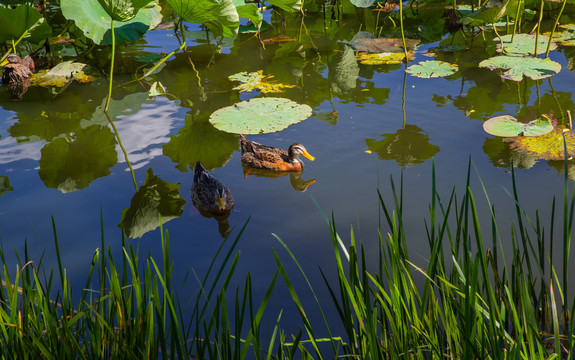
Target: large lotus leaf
5,185
63,73
432,69
386,58
362,3
287,5
123,10
220,16
156,200
507,125
257,81
198,140
248,11
91,18
345,72
15,22
260,115
548,146
408,146
517,67
523,44
73,165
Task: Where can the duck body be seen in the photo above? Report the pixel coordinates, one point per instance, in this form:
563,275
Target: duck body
271,158
17,70
209,195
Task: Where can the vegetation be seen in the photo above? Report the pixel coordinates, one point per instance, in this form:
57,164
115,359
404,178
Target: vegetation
471,302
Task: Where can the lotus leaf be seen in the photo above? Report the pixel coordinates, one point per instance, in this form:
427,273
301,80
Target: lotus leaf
570,27
220,16
432,69
563,38
287,5
517,67
5,185
507,126
15,22
62,74
384,58
91,18
123,10
257,81
362,3
248,11
260,115
548,146
523,44
156,199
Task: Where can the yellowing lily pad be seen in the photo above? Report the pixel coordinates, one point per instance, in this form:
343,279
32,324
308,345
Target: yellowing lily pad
260,115
508,126
517,67
62,74
523,44
548,146
381,45
384,58
432,69
257,81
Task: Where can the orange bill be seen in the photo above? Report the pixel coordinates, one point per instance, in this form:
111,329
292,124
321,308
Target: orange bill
221,203
308,156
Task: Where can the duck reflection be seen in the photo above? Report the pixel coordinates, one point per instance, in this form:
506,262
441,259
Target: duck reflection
212,198
295,179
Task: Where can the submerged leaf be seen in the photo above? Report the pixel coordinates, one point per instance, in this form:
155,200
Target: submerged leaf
384,58
548,146
507,126
260,115
62,74
517,67
381,45
523,44
432,69
257,81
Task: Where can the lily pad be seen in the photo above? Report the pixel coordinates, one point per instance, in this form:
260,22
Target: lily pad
507,126
548,146
384,58
362,3
220,16
517,67
62,74
15,22
257,81
260,115
523,44
93,20
432,69
154,199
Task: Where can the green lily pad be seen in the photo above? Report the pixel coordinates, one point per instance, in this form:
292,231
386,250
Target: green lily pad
5,185
156,198
260,115
507,126
15,22
523,44
432,69
517,67
63,73
548,146
257,81
220,16
93,20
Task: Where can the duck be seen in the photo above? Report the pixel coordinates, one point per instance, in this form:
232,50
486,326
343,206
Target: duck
17,70
209,195
261,156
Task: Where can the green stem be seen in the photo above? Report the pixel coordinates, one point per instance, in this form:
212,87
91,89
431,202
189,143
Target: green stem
517,18
538,28
401,27
123,149
111,67
554,27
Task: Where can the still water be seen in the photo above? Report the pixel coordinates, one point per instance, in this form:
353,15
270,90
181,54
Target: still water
63,160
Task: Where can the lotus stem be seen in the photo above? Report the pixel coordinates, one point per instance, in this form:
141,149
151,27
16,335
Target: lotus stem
538,27
553,29
401,27
111,67
123,149
517,18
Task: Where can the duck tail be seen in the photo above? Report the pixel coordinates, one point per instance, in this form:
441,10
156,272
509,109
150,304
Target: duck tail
198,171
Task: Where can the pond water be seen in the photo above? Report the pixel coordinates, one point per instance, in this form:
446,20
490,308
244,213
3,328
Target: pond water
63,160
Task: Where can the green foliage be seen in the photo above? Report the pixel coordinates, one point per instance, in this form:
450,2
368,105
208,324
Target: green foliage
5,185
507,125
220,16
23,20
432,69
287,5
523,44
516,67
123,10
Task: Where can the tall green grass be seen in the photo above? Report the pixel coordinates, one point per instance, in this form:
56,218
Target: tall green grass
469,301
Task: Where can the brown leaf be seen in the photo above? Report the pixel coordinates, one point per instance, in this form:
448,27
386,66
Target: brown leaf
381,45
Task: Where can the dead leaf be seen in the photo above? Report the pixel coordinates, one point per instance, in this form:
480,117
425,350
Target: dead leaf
257,81
546,147
384,58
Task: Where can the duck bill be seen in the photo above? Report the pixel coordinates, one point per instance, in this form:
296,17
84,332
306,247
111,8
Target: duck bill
221,203
308,155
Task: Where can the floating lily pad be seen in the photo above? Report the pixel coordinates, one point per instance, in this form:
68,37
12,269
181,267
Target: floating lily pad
548,146
384,58
523,44
260,115
507,126
62,74
257,81
154,199
517,67
432,69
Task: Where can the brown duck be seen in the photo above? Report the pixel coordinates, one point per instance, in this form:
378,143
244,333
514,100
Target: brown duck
268,157
17,70
209,195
